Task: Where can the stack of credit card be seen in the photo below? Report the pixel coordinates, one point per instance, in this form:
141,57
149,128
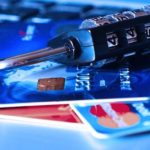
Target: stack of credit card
110,100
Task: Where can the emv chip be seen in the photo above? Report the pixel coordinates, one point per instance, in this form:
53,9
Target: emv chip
51,84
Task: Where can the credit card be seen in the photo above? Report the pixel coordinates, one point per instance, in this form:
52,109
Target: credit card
106,120
44,114
120,83
53,112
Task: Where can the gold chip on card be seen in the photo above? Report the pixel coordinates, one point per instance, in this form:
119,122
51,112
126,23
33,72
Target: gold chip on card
51,84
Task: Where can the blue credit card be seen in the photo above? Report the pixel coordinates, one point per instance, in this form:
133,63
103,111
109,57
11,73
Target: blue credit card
19,86
107,120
